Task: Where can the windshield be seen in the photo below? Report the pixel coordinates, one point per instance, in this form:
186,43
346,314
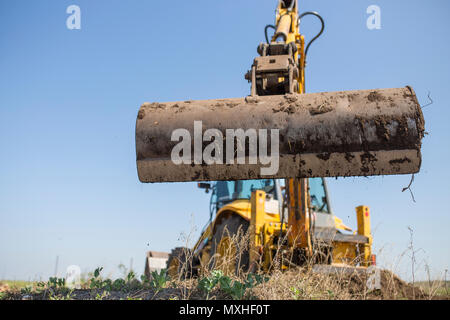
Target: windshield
224,190
227,191
318,195
244,188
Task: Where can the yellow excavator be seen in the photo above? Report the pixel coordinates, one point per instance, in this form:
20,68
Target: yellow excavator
279,203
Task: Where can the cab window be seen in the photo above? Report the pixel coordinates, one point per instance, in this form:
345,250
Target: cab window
227,191
318,195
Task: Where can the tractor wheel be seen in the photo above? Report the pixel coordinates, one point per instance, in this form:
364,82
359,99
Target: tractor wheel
180,263
229,246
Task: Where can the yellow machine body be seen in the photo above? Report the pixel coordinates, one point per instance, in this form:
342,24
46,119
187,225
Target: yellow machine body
264,234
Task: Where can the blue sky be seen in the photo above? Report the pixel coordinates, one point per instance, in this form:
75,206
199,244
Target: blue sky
69,99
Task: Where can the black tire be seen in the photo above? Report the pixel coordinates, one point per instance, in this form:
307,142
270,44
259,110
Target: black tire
183,261
232,226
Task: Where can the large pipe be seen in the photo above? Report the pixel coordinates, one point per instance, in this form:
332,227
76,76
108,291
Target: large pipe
350,133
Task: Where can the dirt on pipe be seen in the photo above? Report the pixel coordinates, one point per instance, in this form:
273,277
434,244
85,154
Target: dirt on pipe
350,133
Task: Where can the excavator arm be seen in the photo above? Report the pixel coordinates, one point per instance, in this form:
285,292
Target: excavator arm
278,131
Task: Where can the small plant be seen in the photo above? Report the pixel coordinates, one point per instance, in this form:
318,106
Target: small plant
296,293
233,288
26,290
331,294
118,285
207,284
129,283
159,280
55,288
101,296
96,282
54,282
131,276
144,280
67,296
107,285
237,289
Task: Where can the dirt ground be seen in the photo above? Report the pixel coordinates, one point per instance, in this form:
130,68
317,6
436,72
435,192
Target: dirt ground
291,285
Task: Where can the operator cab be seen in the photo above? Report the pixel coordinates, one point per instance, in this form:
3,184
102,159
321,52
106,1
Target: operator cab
228,191
225,192
318,194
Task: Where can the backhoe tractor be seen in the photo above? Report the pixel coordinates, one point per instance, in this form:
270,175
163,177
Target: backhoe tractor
256,211
284,215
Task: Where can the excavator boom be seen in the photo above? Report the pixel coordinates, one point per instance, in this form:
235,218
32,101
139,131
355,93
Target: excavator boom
278,131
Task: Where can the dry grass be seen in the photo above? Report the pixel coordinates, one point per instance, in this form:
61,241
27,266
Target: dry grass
297,283
294,284
305,284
